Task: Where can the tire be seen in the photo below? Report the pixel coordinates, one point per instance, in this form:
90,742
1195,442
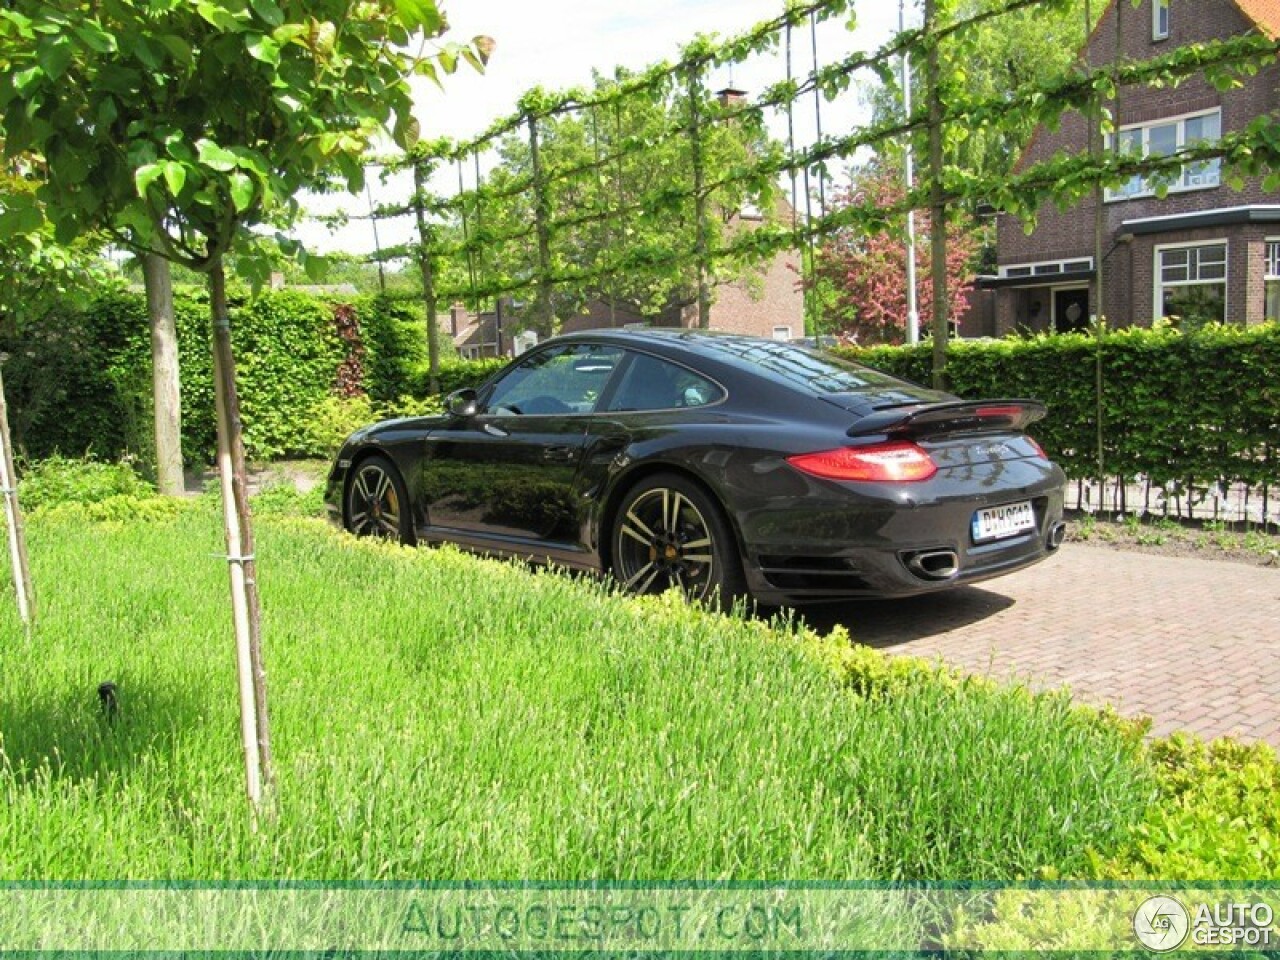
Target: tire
668,532
377,502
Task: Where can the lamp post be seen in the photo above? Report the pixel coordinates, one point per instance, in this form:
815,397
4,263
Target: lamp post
913,310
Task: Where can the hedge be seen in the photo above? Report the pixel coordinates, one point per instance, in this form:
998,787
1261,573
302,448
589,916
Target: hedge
80,381
1186,411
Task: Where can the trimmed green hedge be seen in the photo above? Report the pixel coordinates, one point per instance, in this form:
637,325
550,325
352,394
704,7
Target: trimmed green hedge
80,381
1185,410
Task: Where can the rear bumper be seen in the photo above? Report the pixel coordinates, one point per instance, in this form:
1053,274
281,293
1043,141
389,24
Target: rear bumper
836,540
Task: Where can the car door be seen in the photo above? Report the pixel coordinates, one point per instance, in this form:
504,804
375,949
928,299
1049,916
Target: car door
505,477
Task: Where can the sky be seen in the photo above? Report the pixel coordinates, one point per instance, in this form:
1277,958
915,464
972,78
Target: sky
555,44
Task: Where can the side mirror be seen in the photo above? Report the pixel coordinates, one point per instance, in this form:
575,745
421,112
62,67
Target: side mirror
462,403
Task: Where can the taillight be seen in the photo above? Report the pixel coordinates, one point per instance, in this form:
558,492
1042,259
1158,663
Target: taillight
1039,449
879,462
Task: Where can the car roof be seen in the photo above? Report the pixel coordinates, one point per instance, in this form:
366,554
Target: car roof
696,340
797,369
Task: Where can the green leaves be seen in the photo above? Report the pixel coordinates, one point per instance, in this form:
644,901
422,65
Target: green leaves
19,215
242,191
421,15
215,157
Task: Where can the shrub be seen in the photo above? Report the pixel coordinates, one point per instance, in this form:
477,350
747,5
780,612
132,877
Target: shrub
285,500
120,509
81,380
1217,816
60,391
395,343
332,420
59,480
458,374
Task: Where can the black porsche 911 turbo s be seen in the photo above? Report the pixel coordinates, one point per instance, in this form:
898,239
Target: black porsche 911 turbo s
719,464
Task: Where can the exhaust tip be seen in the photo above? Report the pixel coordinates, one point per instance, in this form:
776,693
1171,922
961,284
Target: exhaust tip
934,564
1057,534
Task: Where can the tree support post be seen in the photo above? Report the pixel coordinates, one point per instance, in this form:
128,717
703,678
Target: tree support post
937,197
699,195
542,227
427,268
241,565
22,586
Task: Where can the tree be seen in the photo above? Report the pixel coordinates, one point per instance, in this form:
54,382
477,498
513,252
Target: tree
619,182
986,62
180,127
861,278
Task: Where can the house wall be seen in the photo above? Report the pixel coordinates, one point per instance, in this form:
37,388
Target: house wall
755,306
1128,268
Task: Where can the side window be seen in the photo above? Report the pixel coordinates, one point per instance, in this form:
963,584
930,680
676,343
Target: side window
653,384
563,380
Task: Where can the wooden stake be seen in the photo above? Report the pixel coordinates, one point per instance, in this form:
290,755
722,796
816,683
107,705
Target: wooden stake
241,567
13,515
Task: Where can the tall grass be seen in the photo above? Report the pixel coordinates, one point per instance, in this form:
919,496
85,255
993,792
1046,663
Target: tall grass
442,717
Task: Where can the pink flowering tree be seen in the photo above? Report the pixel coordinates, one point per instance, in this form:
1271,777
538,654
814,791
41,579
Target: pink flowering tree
860,277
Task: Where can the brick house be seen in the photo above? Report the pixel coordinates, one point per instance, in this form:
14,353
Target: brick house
1205,251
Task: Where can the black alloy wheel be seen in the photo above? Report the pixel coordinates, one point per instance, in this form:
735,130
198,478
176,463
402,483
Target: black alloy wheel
377,502
669,533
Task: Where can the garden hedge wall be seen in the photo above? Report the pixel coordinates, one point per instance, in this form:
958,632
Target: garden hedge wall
1184,410
80,380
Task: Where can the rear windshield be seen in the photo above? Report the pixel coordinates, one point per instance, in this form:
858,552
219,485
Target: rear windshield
799,366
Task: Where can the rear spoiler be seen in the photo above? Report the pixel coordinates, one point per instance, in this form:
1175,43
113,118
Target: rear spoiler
956,416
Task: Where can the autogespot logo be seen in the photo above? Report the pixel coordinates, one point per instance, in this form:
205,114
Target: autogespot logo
1161,924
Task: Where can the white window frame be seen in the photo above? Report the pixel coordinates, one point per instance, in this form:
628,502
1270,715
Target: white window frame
782,333
1270,271
1180,142
1157,293
1034,273
1159,30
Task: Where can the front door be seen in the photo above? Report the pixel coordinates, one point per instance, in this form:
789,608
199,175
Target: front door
1071,310
507,473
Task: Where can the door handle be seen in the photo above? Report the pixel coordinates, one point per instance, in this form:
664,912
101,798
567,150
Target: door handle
558,454
493,431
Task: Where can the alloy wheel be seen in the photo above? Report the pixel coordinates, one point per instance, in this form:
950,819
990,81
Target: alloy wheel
373,504
664,541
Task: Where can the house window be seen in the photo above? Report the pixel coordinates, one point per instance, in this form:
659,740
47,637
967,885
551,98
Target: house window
1159,19
782,333
1164,138
1191,284
1272,280
1047,268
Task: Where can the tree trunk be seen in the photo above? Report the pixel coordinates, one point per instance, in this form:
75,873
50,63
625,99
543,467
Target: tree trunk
241,567
166,382
13,514
428,278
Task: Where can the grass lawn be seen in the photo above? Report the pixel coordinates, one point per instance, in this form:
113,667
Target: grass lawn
437,716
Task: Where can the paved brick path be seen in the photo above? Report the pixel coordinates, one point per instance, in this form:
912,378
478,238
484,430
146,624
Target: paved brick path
1194,643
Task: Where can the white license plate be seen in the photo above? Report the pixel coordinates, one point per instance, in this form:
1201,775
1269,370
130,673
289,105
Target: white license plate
998,523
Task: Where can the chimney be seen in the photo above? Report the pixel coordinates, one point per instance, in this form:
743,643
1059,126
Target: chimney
455,310
731,98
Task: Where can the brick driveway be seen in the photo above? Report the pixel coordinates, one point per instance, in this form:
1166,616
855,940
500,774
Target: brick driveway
1194,643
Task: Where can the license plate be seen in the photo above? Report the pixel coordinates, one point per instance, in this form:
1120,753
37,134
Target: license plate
999,523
